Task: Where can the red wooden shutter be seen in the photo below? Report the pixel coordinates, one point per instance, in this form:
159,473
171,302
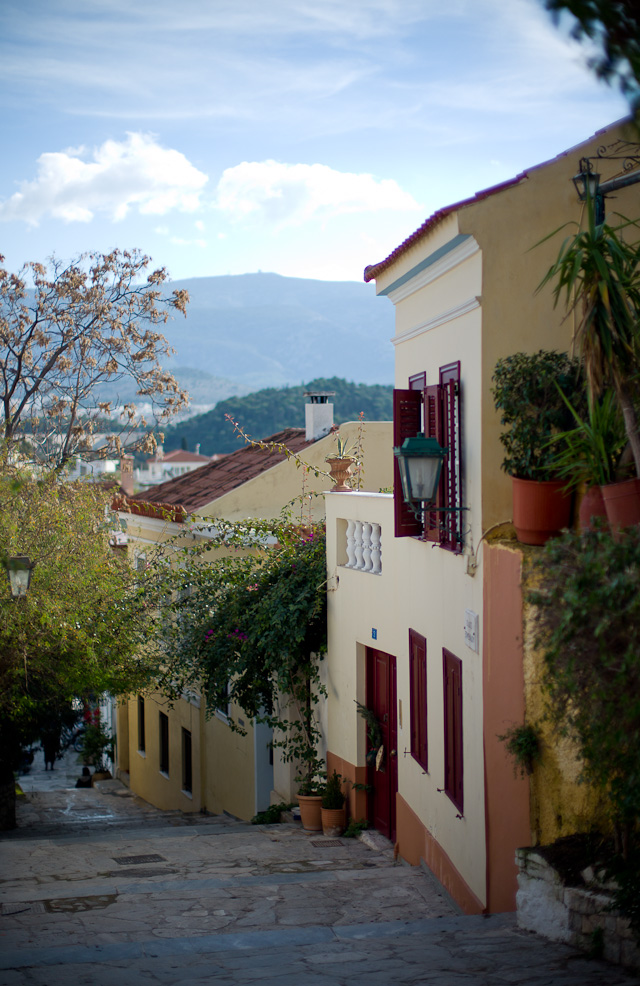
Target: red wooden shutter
453,765
418,697
451,479
433,429
407,413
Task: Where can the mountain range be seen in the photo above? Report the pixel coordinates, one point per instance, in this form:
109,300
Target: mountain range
265,330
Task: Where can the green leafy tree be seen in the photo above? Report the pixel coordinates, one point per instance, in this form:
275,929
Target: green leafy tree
614,26
81,627
82,324
252,628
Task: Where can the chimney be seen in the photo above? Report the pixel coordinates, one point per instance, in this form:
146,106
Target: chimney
197,448
318,414
126,474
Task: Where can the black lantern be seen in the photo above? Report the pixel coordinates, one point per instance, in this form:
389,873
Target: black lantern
420,462
587,185
19,570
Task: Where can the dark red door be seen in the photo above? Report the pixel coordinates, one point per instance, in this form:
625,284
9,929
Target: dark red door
381,699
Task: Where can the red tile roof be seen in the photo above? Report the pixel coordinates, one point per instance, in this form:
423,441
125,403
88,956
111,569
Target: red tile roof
373,270
180,455
196,489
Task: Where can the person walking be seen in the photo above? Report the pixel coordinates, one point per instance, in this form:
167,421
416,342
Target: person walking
51,746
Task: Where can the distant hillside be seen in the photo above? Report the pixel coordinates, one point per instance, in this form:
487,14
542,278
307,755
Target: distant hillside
264,330
267,411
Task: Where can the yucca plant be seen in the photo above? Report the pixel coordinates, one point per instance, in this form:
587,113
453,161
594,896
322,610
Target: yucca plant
590,453
597,277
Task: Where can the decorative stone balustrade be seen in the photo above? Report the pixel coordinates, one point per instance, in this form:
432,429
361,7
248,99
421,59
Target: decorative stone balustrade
364,546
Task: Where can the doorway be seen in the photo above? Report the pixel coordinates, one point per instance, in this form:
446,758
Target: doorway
383,777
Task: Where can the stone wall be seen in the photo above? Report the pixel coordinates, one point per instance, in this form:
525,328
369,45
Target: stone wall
579,916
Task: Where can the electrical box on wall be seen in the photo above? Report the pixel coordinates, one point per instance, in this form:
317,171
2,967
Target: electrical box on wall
471,633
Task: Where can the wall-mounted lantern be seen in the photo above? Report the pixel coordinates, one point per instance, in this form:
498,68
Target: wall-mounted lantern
420,461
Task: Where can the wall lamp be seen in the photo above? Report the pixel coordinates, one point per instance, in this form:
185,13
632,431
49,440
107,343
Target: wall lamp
420,462
587,185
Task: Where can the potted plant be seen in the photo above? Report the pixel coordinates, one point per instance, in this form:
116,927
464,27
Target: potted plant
310,789
340,463
597,276
97,749
333,806
587,456
529,389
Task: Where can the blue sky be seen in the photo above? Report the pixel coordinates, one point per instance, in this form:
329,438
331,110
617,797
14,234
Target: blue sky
305,138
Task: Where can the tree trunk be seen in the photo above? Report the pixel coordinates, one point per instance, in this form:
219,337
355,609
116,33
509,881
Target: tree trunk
630,422
7,798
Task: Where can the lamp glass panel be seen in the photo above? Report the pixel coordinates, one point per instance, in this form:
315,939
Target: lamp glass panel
19,579
424,473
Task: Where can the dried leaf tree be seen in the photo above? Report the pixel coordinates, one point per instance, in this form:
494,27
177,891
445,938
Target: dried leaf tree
69,329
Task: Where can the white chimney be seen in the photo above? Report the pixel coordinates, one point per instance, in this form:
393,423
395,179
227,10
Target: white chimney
318,415
197,448
126,474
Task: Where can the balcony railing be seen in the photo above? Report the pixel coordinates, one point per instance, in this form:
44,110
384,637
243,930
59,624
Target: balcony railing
364,546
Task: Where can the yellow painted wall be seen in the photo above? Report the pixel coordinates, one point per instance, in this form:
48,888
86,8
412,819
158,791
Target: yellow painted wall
164,790
560,803
267,494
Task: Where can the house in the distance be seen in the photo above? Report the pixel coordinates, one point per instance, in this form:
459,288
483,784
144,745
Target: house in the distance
432,642
179,757
164,466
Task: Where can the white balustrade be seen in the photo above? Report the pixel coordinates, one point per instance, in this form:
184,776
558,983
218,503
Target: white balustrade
364,546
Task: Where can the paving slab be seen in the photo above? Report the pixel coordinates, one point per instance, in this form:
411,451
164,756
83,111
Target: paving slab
98,887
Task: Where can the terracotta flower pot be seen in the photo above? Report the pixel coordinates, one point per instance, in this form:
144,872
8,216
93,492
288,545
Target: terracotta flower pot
334,821
622,503
311,812
340,470
591,506
540,509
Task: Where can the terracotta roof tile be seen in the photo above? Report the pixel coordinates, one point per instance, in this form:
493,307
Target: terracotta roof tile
196,489
373,270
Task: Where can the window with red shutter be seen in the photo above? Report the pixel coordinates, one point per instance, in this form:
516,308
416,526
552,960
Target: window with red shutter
418,697
436,412
453,766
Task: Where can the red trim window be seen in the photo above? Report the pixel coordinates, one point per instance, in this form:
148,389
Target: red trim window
434,410
418,697
453,765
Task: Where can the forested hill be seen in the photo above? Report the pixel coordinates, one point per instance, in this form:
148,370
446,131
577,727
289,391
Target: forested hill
268,411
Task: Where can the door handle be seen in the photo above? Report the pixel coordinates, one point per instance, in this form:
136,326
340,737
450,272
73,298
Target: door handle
393,753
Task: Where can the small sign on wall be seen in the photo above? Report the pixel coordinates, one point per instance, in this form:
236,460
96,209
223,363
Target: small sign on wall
471,634
374,633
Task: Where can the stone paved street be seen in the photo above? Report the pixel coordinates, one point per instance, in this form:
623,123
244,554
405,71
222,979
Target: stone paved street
99,888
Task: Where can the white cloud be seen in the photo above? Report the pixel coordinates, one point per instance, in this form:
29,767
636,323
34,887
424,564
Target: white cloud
75,184
291,194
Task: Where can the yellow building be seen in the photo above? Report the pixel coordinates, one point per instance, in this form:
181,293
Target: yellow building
179,757
431,641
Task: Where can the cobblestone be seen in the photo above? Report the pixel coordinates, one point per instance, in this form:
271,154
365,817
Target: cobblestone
234,904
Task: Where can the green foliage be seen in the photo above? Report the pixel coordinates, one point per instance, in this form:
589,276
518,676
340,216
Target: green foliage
528,390
251,628
596,943
273,409
590,453
354,828
81,625
614,28
272,815
333,795
523,744
374,731
588,625
597,275
97,744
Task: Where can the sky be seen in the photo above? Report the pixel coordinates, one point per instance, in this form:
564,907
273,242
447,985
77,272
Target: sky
302,137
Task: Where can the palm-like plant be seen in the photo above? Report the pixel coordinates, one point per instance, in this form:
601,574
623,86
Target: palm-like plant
597,276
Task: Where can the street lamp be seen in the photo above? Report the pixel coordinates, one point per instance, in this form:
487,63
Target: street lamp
587,185
19,570
420,462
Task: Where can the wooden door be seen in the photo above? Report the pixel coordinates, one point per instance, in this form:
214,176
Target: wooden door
381,699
